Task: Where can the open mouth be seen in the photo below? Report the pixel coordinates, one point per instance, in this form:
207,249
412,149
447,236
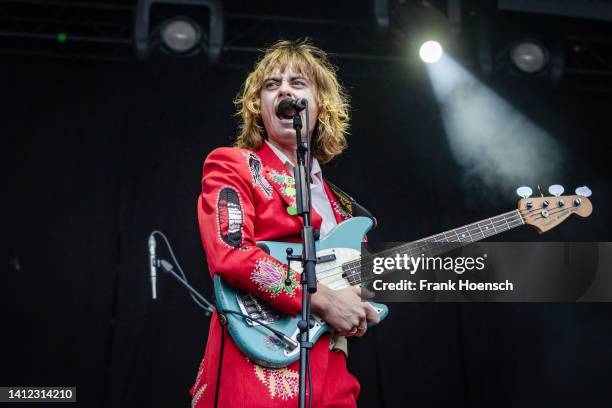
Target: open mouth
282,119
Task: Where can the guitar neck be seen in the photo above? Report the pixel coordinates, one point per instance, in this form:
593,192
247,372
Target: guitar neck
454,238
446,241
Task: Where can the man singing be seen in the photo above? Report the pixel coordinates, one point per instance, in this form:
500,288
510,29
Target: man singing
248,195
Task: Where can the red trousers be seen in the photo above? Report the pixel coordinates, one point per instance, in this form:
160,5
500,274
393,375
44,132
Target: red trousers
245,384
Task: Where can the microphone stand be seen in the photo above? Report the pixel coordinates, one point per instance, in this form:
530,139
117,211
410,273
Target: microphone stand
301,173
208,307
157,263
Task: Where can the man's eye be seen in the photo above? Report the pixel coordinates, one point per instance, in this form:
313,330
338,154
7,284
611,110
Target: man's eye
270,85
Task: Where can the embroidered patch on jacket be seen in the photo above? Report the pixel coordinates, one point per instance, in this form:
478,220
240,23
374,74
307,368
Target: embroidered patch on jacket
229,217
198,395
340,209
256,169
344,202
287,188
269,275
286,184
282,383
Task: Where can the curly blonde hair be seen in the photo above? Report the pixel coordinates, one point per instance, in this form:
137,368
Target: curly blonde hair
332,100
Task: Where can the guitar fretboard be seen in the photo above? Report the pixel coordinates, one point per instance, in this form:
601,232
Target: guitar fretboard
443,242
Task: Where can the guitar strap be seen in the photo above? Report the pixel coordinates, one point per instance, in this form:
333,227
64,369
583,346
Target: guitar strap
349,204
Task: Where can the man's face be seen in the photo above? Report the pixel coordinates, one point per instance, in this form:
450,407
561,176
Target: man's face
276,87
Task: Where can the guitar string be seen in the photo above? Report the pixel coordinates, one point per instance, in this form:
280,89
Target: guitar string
533,213
471,229
516,221
351,270
483,233
476,228
323,272
359,280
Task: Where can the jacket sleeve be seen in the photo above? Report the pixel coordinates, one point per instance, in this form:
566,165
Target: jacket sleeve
226,215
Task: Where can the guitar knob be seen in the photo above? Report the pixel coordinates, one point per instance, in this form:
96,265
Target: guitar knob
529,205
556,190
561,203
584,191
524,192
577,202
545,204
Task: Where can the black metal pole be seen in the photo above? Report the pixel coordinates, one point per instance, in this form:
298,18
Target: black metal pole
309,255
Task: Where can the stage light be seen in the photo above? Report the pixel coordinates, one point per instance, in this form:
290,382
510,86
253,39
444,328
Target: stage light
497,146
430,51
529,56
181,28
180,34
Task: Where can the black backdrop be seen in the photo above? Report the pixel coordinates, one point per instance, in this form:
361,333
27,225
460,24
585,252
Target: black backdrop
101,153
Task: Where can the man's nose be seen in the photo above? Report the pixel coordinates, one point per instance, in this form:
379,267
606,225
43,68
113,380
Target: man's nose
285,90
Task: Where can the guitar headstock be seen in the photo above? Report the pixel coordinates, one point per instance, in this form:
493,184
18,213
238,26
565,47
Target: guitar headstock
546,212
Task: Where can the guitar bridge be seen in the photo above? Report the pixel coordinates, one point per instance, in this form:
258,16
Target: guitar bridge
257,309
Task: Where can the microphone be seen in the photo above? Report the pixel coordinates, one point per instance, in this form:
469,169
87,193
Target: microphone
287,108
153,265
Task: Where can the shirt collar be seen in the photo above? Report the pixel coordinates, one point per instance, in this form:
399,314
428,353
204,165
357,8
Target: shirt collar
315,171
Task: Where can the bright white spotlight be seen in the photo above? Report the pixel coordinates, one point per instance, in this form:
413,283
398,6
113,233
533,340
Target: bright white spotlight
497,146
430,51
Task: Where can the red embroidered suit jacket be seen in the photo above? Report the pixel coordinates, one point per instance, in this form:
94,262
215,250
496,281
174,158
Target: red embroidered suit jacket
249,197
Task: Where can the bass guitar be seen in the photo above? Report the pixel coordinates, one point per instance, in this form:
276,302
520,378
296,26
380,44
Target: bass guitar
270,338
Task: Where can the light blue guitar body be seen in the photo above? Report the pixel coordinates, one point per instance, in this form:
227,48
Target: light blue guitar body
258,343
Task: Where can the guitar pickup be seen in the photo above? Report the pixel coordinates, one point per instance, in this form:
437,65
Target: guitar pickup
326,258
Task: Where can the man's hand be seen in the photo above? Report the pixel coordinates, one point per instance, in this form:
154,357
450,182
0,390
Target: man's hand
343,309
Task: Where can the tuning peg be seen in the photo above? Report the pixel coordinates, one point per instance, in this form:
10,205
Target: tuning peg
556,190
584,191
524,191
